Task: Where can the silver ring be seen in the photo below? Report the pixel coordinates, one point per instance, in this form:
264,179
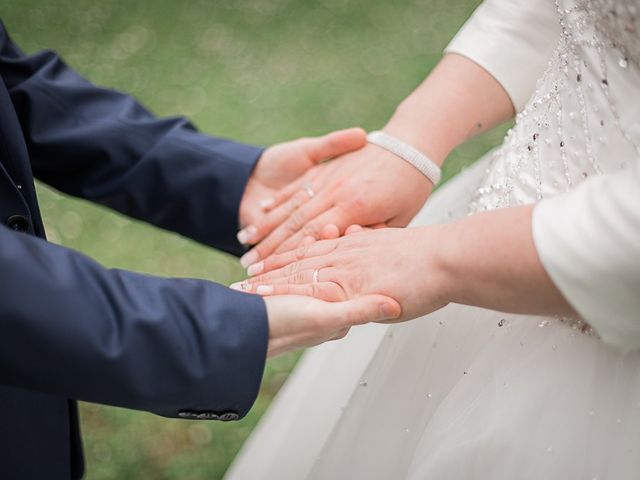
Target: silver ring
315,275
308,189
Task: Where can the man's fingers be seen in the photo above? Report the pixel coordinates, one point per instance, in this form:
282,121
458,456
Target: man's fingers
296,321
335,144
365,309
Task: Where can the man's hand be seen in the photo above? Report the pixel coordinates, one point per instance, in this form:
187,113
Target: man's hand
298,322
284,163
370,187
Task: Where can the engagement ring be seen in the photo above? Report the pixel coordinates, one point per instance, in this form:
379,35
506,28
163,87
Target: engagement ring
308,189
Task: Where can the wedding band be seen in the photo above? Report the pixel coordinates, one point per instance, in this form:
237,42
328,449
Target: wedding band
308,189
315,275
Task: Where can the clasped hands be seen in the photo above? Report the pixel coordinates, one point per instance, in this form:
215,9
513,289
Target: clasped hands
302,197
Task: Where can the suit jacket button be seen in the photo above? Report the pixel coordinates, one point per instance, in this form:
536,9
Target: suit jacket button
18,223
229,417
207,416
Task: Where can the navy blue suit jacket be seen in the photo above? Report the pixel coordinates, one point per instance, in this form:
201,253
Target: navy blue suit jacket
72,329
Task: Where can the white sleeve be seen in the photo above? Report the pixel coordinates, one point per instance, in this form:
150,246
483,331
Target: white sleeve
513,40
589,243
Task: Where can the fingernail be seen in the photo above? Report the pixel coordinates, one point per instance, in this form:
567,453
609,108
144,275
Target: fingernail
264,290
238,286
255,269
387,311
267,202
249,258
245,235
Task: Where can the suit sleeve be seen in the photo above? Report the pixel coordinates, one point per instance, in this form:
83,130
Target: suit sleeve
73,328
589,242
513,40
103,146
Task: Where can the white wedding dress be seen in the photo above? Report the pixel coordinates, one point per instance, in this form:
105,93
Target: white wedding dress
468,393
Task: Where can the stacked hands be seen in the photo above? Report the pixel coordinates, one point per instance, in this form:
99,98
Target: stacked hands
302,197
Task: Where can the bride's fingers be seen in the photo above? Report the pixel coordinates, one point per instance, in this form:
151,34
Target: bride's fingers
327,291
276,226
296,224
289,191
252,234
317,176
306,241
309,275
330,232
359,228
353,229
292,257
335,216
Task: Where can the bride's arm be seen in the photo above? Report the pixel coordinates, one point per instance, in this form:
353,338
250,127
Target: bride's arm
457,101
490,67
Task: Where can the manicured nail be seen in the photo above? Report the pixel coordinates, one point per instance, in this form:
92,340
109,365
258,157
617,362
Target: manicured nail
249,258
241,286
267,202
245,235
264,290
255,269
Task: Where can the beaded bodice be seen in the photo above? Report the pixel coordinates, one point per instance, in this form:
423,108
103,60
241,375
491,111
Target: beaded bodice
584,117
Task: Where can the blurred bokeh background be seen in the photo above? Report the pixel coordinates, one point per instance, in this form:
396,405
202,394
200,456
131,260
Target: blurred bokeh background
260,71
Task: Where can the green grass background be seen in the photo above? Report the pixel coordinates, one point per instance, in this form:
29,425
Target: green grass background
260,71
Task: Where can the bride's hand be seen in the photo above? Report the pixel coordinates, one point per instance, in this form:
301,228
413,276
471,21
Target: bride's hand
398,263
283,163
370,187
457,101
488,260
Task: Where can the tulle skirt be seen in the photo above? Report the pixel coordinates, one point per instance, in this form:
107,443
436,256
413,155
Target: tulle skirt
463,393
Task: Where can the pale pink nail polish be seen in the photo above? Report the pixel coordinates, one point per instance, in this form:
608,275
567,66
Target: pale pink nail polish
245,235
255,269
241,286
264,290
249,258
267,202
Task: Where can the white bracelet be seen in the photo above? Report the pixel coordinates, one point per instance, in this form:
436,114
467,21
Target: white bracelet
406,152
